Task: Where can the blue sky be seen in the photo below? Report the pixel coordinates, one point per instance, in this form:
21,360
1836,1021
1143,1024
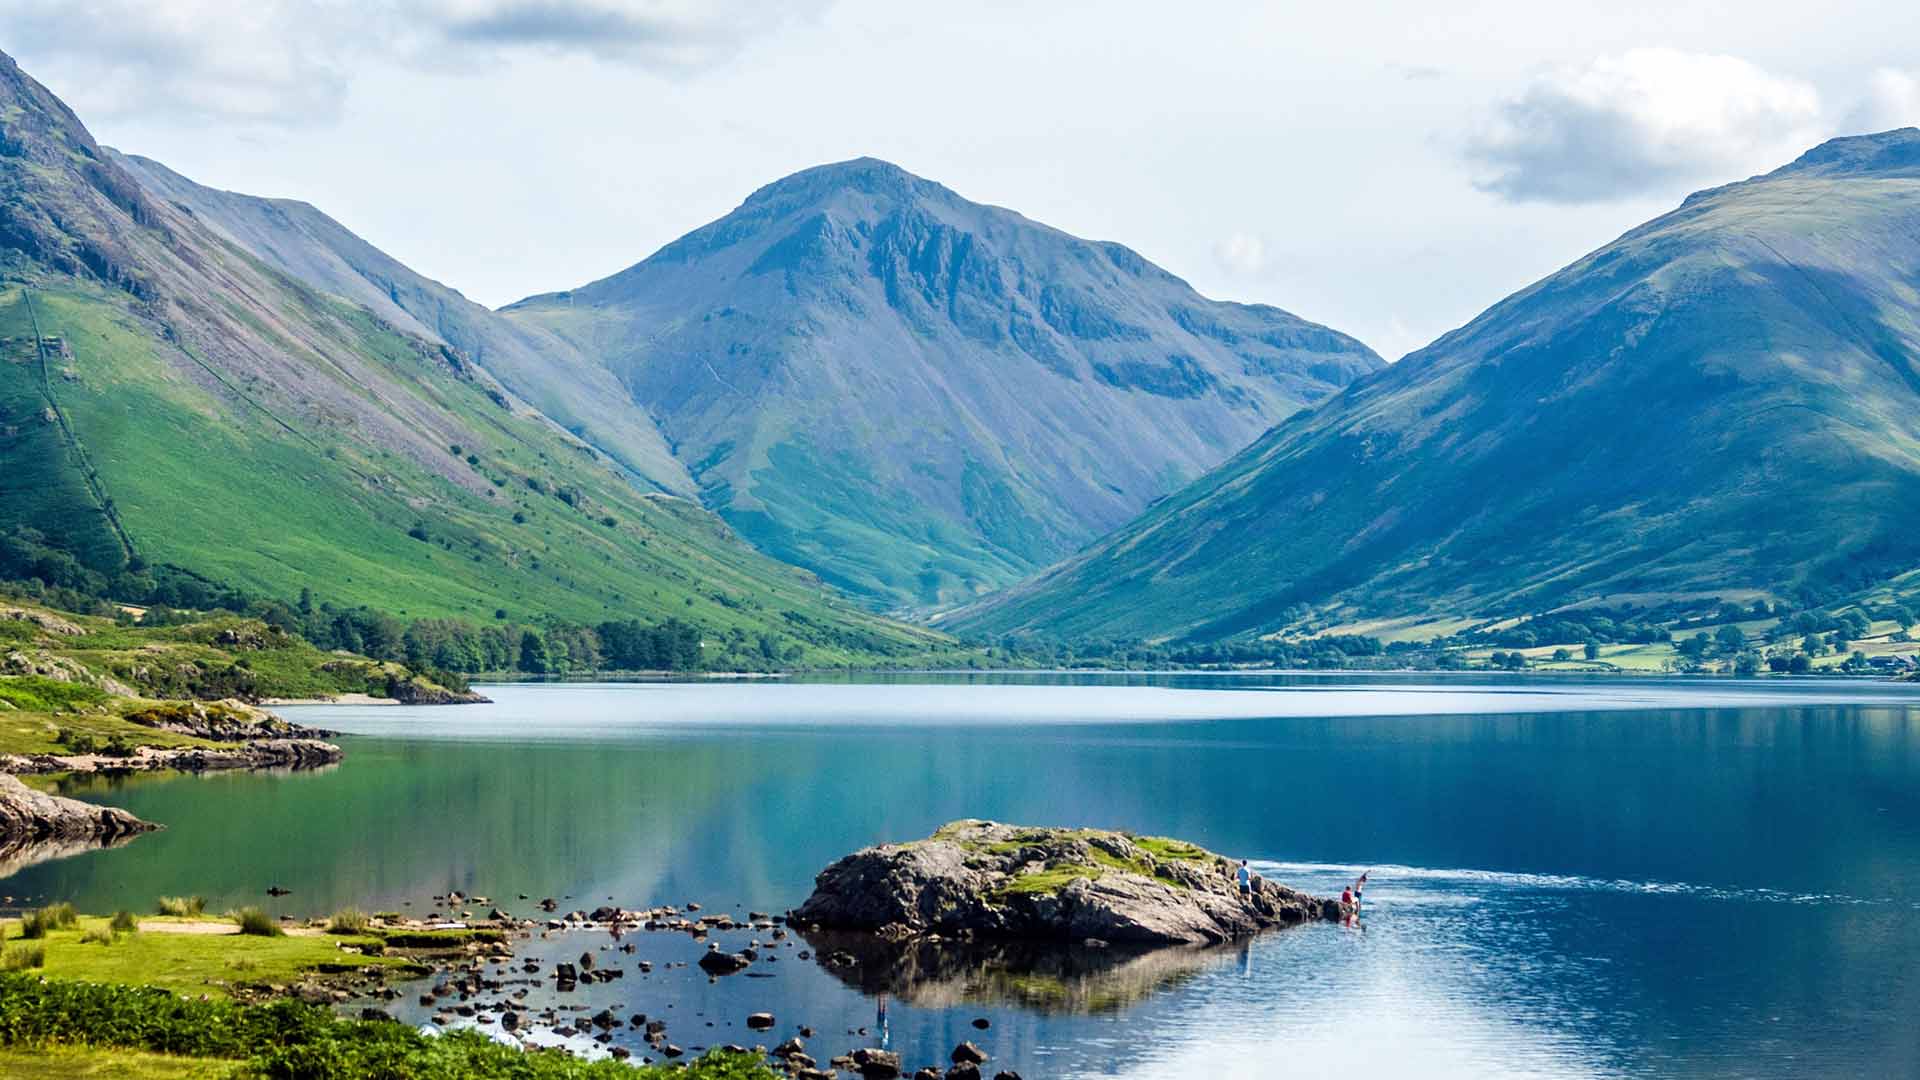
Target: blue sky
1387,168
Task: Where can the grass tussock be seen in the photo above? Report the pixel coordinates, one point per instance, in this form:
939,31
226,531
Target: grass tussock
38,924
125,922
181,907
22,957
348,921
97,935
254,921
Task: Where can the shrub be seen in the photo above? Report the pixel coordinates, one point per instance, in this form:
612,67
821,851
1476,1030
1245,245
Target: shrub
182,907
348,921
76,742
256,922
97,935
53,917
124,922
22,957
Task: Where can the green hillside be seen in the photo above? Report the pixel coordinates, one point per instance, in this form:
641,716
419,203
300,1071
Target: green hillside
182,405
1723,401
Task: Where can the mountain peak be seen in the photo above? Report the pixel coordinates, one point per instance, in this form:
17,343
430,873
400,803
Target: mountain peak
863,175
1884,154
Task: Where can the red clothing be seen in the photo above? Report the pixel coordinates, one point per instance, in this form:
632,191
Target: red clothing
1346,895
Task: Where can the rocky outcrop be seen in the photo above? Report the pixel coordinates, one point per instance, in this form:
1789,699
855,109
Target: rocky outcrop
257,754
45,620
980,877
28,817
413,690
220,721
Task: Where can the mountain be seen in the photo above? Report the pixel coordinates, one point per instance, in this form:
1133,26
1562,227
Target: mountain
922,398
308,246
1725,398
170,403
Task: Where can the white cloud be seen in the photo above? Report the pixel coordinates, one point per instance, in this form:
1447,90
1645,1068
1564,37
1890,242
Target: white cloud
289,62
1643,121
1892,100
1241,253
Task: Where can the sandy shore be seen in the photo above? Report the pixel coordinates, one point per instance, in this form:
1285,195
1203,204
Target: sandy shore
337,699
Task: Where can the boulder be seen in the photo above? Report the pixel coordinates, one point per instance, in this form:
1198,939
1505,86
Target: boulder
29,817
1069,885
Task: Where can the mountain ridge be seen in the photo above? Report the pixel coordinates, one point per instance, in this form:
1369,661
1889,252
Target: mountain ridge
241,429
922,398
1721,399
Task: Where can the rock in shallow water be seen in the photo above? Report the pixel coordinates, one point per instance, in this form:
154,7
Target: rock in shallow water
981,877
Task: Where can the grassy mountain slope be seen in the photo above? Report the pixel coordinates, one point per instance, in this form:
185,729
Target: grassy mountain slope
170,399
1726,398
922,398
308,246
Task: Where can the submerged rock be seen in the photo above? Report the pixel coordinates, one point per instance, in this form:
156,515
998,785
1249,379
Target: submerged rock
981,877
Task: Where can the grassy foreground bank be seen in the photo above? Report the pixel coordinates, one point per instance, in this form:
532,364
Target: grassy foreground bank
91,1029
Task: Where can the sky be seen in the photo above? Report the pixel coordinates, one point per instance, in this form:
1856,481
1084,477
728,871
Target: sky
1389,169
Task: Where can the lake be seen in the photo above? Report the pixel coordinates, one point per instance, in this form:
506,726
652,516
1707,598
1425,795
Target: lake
1571,878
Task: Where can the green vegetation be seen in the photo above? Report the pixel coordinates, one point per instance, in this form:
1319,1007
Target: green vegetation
1649,423
256,922
1049,880
38,924
125,922
348,921
22,957
1161,847
286,1039
196,959
181,907
97,1063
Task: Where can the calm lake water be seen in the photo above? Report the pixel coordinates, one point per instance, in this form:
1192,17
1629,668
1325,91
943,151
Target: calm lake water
1571,879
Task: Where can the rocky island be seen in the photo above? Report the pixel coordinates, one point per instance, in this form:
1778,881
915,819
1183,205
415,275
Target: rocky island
983,878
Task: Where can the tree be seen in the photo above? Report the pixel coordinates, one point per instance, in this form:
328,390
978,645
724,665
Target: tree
1799,663
1591,649
533,654
1747,663
1695,647
1561,655
1730,638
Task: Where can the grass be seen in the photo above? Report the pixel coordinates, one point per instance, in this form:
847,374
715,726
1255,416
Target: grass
124,922
37,693
256,922
1050,880
181,907
108,1063
283,1039
39,924
1161,847
202,963
348,921
188,471
21,957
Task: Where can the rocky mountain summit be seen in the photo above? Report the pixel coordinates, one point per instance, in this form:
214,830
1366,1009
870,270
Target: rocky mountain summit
989,879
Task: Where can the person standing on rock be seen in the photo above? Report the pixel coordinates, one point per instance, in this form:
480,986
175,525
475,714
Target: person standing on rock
1245,877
